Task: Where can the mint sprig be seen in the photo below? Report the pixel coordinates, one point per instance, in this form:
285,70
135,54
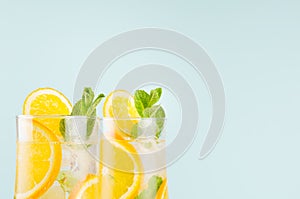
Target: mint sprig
145,106
150,192
86,106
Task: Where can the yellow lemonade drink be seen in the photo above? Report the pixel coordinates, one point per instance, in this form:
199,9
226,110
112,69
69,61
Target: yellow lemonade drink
132,167
57,150
49,166
132,147
66,152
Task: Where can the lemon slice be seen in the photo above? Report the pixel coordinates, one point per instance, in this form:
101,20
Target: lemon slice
87,189
119,105
38,161
121,176
162,192
47,101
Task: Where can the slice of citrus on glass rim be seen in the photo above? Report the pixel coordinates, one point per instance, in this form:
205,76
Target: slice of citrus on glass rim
38,160
119,105
47,101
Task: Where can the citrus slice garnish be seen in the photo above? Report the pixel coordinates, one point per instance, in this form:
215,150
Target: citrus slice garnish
87,189
120,171
119,105
38,161
47,101
162,192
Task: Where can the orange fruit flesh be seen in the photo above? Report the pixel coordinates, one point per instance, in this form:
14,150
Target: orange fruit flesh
53,106
39,152
38,162
47,101
87,189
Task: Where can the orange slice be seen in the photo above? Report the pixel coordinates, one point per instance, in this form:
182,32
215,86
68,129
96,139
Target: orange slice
119,105
38,160
47,101
121,176
87,189
162,192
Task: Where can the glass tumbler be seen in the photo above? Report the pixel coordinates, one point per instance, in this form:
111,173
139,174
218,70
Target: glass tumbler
56,156
132,159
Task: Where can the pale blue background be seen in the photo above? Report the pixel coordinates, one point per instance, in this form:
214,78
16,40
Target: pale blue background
255,45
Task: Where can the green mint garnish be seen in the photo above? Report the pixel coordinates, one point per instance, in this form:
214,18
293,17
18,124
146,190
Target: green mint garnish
154,96
86,106
145,106
153,185
157,112
141,100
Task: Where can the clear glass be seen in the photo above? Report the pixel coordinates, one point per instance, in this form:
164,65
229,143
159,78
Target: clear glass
60,157
55,154
143,140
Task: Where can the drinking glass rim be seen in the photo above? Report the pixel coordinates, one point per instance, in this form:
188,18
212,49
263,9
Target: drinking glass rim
24,116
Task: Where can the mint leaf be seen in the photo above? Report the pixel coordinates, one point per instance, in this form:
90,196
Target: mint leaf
87,99
153,185
77,108
141,100
91,112
145,106
154,96
91,123
139,106
94,105
86,106
156,112
62,127
143,96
